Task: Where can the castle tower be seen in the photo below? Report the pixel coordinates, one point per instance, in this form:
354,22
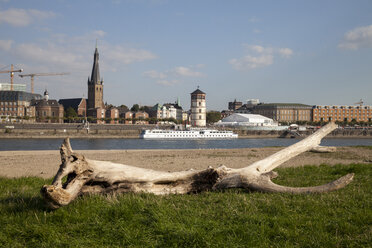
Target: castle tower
95,86
198,109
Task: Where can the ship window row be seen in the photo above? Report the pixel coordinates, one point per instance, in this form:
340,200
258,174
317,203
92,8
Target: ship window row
220,132
195,136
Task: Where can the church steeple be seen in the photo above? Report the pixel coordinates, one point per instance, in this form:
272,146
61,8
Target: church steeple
95,85
95,77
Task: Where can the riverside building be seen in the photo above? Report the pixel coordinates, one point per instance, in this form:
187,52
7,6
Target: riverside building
342,113
16,105
284,112
48,111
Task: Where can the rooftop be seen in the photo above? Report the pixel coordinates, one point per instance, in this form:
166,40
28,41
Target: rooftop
9,95
197,92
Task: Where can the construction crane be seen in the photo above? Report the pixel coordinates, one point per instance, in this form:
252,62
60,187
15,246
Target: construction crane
360,102
11,71
32,75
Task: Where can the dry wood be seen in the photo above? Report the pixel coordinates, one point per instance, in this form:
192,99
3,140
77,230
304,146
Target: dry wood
85,176
324,149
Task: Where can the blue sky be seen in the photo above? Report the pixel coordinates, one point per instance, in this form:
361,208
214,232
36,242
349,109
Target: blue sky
153,51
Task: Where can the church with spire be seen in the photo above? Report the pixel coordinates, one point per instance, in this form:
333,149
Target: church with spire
94,107
95,104
95,85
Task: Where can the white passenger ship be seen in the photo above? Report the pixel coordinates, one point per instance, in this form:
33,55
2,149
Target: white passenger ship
187,134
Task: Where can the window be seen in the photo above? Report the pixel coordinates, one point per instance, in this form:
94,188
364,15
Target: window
199,110
200,117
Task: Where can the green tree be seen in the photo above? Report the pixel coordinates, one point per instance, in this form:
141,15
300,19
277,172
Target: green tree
70,113
123,107
135,108
213,116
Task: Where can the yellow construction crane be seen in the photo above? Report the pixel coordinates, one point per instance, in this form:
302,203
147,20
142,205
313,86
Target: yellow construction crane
32,75
11,71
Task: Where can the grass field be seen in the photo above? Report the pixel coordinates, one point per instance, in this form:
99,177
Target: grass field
231,218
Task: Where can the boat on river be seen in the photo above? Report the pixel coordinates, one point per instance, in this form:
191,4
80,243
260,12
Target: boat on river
187,134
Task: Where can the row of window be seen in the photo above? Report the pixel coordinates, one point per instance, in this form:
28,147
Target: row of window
194,136
351,115
342,119
10,109
186,132
8,114
291,118
43,113
9,103
343,111
343,107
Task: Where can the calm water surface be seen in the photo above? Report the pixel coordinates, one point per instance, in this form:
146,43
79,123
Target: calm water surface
128,144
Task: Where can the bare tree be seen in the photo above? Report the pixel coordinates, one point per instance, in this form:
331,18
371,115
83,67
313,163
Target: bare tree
85,176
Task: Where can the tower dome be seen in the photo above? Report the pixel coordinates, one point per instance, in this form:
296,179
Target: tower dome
46,95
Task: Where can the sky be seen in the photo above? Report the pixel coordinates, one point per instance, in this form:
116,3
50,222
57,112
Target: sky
155,51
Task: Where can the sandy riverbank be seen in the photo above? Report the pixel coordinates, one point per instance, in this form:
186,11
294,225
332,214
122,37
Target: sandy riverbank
46,163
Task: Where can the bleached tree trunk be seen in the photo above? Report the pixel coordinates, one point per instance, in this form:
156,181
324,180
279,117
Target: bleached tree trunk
85,176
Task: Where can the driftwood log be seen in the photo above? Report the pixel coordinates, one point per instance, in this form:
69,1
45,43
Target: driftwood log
85,176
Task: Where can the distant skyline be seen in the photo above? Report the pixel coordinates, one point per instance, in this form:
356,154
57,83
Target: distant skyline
155,51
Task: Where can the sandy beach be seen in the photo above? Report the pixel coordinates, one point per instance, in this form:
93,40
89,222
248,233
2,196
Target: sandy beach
46,163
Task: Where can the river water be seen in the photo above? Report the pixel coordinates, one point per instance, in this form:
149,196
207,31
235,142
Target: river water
128,144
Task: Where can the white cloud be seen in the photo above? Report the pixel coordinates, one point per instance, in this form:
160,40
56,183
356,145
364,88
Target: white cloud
175,75
155,74
258,49
73,54
50,54
250,62
167,82
99,33
5,45
258,57
76,53
253,19
285,52
186,72
127,55
200,66
23,17
360,37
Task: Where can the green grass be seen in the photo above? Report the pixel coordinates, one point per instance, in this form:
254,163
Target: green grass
364,147
231,218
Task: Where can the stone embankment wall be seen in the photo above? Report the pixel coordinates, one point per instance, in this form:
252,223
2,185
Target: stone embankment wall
71,130
133,131
339,133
